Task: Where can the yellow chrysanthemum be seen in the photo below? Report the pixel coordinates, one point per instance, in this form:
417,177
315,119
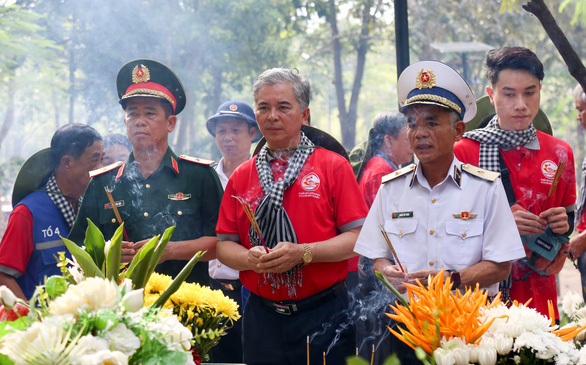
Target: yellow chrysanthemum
157,284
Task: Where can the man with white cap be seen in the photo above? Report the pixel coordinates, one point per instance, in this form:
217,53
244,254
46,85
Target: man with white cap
440,213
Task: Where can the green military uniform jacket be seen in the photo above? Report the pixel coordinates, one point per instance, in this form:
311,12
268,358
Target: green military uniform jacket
183,191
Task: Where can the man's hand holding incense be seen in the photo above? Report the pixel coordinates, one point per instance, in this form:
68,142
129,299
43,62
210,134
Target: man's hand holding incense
282,258
392,273
557,219
527,222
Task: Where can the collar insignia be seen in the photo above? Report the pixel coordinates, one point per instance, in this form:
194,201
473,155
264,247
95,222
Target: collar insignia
141,74
465,215
179,196
425,79
457,175
120,172
174,164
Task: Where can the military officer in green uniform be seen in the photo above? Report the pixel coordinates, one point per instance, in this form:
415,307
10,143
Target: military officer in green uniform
155,188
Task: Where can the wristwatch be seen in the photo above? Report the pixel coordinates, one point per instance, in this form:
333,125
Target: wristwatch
455,276
307,254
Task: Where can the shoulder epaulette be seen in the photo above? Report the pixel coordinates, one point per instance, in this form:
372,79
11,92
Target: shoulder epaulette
481,173
398,173
106,169
200,161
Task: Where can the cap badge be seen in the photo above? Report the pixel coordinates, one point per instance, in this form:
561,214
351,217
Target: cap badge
425,79
233,107
141,74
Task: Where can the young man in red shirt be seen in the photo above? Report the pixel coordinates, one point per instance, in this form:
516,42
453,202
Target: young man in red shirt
531,157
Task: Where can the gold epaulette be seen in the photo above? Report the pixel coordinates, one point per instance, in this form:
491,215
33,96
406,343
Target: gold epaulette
398,173
106,169
200,161
481,173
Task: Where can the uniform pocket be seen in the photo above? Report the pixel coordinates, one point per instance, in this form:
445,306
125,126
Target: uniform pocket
463,245
400,232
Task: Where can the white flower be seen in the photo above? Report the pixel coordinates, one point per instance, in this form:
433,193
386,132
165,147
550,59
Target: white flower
443,357
486,356
503,344
92,344
133,300
104,357
175,333
582,360
126,286
7,297
571,302
93,294
122,339
461,355
75,270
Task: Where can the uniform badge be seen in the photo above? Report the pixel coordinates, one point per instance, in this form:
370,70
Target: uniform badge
179,196
425,79
141,74
465,215
119,203
396,215
233,107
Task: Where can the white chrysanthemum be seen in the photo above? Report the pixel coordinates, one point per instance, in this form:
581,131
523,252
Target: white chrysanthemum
104,357
41,343
472,353
458,348
571,302
443,357
582,360
514,321
503,344
122,339
175,333
92,293
92,344
486,356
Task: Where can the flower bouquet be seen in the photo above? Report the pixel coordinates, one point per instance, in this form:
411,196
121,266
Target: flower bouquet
94,322
207,313
454,328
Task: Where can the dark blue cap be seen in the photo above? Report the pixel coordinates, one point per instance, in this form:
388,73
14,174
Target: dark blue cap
234,109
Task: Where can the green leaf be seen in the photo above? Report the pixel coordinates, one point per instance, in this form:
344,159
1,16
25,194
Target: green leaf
179,279
382,278
114,255
4,360
94,244
159,250
56,285
83,259
392,360
140,265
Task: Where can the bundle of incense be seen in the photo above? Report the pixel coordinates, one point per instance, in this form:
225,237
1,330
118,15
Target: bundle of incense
115,209
382,230
556,178
252,220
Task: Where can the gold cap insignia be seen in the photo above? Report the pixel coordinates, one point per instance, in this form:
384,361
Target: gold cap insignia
141,74
465,216
425,79
233,107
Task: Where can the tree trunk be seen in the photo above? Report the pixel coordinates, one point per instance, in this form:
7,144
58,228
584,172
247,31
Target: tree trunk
338,82
9,102
557,36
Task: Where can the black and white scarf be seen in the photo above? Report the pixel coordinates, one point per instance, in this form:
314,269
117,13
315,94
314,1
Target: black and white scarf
273,221
492,138
59,199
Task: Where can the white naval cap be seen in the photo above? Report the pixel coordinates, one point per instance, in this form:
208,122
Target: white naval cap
435,83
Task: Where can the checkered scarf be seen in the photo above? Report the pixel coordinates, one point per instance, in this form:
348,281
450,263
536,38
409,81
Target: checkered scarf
492,137
581,195
57,197
273,221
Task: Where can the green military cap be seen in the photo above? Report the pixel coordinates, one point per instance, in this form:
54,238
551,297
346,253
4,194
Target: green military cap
148,78
485,112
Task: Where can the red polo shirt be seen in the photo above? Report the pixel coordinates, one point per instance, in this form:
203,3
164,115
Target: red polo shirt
532,172
323,202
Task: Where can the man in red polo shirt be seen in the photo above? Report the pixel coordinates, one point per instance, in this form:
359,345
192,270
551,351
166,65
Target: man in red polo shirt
309,212
531,157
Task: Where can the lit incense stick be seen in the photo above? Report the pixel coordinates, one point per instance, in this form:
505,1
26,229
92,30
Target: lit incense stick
372,356
252,220
115,209
307,350
382,230
557,177
324,358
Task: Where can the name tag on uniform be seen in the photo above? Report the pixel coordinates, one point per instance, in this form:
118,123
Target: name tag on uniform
119,203
396,215
179,196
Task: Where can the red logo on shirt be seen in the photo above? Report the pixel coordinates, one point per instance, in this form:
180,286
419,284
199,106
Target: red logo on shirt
548,168
310,182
